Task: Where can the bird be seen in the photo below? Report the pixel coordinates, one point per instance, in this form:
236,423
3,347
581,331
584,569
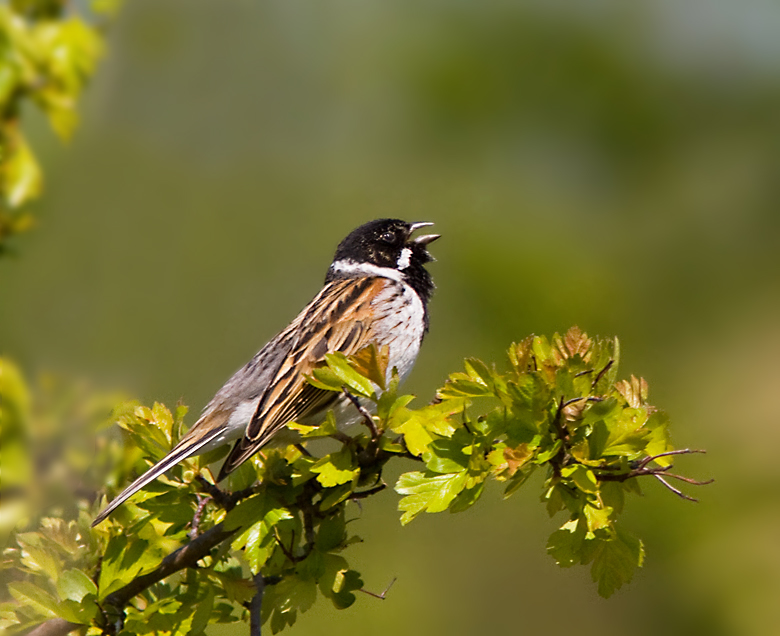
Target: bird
376,292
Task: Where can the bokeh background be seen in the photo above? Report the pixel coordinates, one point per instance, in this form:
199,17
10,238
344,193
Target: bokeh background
610,164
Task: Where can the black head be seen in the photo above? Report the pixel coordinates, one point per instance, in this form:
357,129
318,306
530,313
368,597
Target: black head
385,247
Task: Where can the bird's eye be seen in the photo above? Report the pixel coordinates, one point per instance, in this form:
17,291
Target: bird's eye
388,237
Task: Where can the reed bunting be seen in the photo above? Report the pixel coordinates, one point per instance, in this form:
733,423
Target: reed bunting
376,291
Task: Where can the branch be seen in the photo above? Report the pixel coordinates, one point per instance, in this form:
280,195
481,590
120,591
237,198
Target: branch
640,469
256,605
370,424
185,557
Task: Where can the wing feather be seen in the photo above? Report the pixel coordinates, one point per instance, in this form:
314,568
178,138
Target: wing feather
338,320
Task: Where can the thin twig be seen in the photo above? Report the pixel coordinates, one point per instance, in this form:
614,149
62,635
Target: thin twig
381,596
676,491
369,421
640,469
202,501
559,427
680,451
587,398
288,553
601,374
342,437
220,497
302,450
368,492
688,480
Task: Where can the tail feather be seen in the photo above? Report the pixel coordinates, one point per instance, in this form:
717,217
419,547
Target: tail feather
167,462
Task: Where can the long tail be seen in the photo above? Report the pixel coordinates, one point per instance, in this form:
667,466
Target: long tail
171,459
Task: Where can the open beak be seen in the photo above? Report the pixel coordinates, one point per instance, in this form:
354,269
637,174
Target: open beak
425,239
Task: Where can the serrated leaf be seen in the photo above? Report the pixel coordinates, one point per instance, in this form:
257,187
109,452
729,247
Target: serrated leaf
372,362
633,390
336,469
34,597
246,513
355,383
598,518
427,493
259,541
574,342
420,426
615,561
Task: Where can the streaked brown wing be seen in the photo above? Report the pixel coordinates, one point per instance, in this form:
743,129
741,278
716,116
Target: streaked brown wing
339,319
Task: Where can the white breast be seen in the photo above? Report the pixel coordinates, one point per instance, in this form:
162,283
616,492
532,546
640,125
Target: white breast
401,317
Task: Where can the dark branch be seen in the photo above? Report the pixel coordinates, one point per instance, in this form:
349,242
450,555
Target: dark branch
601,374
185,557
368,492
256,605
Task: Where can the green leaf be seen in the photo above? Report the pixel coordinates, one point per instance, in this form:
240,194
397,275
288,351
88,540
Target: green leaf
22,174
467,497
122,562
345,582
246,513
200,619
427,493
391,409
336,469
332,532
598,518
327,428
420,426
627,436
36,556
284,600
582,477
74,585
445,456
469,384
371,363
356,383
657,439
565,545
258,540
34,597
615,561
334,496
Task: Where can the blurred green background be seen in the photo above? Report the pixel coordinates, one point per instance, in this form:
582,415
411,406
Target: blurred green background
609,164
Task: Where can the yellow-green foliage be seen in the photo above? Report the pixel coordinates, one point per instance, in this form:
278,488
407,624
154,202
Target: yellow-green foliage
558,408
47,54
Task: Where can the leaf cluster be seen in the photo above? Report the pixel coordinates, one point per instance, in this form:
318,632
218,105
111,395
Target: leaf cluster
48,52
283,516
